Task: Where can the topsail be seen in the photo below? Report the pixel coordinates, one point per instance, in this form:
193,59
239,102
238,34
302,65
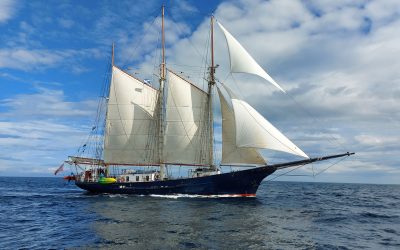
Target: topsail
242,61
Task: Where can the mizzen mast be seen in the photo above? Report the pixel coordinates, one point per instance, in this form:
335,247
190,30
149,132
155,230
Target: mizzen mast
161,100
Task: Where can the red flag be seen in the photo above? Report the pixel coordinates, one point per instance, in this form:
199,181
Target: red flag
59,169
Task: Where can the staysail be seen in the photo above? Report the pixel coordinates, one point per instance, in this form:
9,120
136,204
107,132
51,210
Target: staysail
131,135
254,131
242,62
231,153
185,123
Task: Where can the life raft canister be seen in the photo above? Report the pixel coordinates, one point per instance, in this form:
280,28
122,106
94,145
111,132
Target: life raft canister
105,180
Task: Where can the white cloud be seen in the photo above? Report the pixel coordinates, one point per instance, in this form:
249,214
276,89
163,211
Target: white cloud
371,140
40,144
28,59
39,130
46,103
337,59
40,59
66,23
134,46
383,11
7,10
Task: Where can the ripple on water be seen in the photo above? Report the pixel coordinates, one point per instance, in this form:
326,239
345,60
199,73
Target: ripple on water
285,215
378,216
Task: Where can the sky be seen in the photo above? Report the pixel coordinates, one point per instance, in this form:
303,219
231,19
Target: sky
337,60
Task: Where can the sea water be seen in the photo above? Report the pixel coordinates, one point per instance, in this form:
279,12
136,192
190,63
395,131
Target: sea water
49,213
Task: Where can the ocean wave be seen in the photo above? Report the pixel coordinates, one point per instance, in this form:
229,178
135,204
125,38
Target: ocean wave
376,215
282,217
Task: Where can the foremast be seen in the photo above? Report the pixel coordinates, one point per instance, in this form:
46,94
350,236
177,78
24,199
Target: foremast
161,100
112,65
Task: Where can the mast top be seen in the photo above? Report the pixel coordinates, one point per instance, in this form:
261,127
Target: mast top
163,73
212,68
112,55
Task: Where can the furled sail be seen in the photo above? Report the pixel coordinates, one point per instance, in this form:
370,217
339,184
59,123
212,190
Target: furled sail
186,123
242,62
254,131
231,153
131,135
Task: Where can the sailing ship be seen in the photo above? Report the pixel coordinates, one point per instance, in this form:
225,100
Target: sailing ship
173,125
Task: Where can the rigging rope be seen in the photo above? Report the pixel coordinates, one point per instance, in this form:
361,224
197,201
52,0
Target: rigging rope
314,175
92,145
320,172
316,120
286,172
139,42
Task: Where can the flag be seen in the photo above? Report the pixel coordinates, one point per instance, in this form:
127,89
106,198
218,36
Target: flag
59,169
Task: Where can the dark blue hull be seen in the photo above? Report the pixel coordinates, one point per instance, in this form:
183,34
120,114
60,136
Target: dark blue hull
239,183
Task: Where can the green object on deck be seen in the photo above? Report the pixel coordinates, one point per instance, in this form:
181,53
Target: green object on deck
105,180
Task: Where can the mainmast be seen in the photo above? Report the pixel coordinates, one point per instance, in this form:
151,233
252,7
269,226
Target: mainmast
212,71
161,99
162,44
211,83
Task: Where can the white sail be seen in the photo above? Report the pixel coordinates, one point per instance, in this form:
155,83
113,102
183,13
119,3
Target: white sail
231,153
242,62
131,135
185,132
254,131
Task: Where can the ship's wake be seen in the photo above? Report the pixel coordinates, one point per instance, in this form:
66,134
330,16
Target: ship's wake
177,196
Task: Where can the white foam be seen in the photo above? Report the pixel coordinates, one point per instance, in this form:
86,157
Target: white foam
176,196
117,195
